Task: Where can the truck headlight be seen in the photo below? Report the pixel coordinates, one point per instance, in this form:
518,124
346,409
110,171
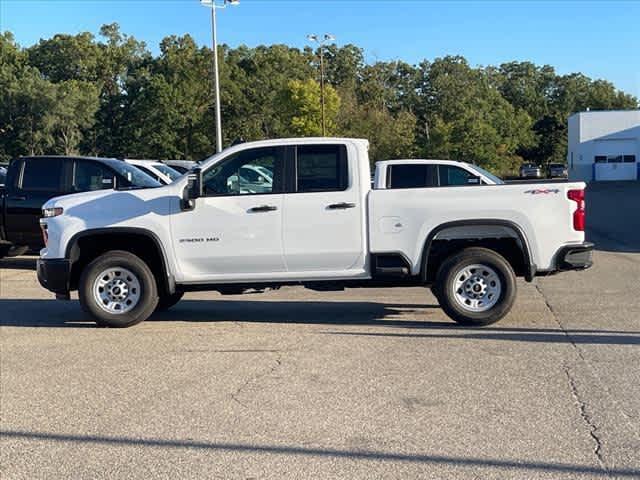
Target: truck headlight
52,212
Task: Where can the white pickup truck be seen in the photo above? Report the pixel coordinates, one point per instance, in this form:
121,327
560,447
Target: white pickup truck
312,219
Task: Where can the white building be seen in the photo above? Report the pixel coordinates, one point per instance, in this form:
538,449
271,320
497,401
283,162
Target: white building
604,145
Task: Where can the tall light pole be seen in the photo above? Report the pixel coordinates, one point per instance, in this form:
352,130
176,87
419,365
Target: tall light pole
321,41
216,78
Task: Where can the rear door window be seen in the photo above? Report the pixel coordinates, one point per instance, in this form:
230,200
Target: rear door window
43,175
412,176
321,168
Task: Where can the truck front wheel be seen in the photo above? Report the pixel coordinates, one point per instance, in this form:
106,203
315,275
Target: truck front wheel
476,286
118,289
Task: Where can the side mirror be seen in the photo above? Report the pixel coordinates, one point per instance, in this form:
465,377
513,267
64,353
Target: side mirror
193,189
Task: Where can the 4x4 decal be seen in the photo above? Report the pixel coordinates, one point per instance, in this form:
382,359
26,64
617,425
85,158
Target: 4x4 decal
542,191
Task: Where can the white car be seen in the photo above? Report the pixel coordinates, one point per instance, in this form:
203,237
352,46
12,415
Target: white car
181,166
156,170
431,173
253,179
318,224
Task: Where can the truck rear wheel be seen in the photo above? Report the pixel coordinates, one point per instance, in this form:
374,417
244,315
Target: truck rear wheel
118,290
476,286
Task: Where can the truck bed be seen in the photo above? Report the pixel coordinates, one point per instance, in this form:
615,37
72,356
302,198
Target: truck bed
400,220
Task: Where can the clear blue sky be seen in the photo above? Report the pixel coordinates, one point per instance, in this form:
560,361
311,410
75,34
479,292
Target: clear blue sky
598,38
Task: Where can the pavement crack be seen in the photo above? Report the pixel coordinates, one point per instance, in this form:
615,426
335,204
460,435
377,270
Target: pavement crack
554,314
255,379
586,418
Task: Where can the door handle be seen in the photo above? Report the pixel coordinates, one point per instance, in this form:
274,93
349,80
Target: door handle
341,206
263,208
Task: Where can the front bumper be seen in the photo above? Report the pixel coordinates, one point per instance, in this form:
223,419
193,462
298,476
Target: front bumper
574,257
54,275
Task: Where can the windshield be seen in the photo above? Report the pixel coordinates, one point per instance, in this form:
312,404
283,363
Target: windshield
167,170
490,176
135,177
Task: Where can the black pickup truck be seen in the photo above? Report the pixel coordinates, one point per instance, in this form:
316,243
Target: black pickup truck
31,181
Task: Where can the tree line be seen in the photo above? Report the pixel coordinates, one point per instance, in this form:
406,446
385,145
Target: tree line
109,96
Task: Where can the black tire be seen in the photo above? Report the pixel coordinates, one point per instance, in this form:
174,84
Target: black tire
436,292
16,251
448,276
148,294
167,301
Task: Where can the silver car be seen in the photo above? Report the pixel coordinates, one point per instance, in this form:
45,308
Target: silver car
557,170
530,170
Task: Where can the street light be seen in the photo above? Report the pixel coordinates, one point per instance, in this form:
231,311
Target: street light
321,41
213,5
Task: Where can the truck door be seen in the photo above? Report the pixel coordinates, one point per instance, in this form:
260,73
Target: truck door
235,229
323,217
34,181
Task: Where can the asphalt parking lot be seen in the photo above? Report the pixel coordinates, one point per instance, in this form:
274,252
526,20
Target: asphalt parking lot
355,384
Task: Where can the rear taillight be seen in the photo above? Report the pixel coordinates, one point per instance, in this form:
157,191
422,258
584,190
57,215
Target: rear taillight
579,214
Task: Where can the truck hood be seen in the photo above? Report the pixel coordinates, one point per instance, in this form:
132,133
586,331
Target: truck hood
109,208
76,199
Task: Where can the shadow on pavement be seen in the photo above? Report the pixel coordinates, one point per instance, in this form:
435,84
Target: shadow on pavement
613,222
526,467
54,314
19,263
519,335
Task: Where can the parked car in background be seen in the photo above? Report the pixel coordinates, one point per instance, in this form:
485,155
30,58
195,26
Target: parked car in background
557,170
3,175
319,224
530,170
156,170
433,173
31,181
254,179
182,166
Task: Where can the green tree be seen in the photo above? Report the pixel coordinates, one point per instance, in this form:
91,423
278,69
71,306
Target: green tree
26,104
468,119
76,103
109,96
169,105
302,108
67,57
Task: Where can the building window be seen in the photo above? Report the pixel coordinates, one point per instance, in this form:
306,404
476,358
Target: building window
615,158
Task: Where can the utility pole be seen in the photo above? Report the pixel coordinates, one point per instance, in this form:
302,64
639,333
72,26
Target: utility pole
216,77
321,42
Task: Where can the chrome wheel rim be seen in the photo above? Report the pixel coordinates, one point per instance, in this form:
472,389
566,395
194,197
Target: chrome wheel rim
116,290
476,288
